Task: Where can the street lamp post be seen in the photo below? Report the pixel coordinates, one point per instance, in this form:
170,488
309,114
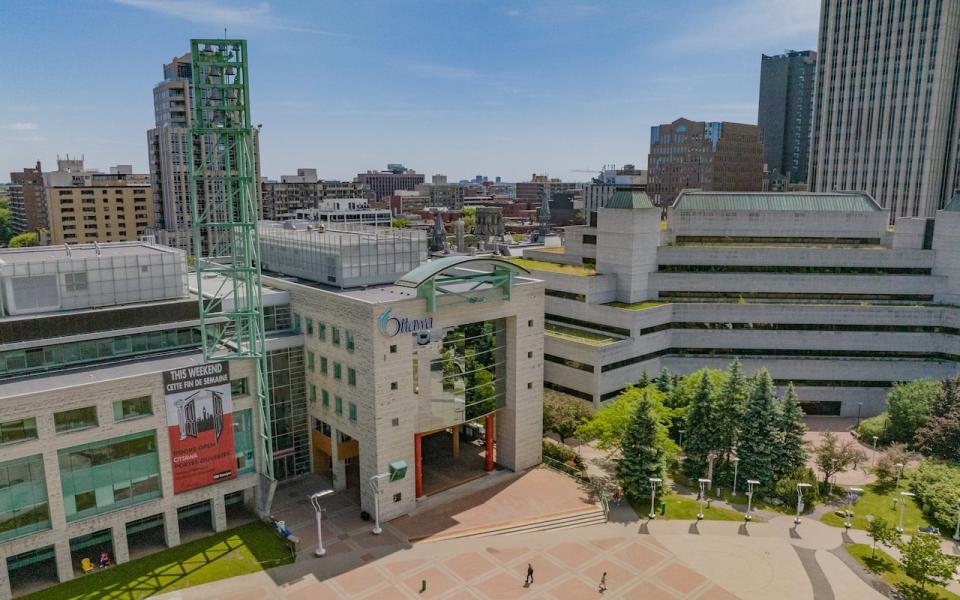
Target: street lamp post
852,495
899,473
903,505
703,495
800,488
750,485
873,459
736,464
375,486
315,501
654,481
956,534
859,409
682,431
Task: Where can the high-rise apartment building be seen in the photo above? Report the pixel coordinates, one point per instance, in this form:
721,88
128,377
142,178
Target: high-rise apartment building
711,156
301,192
541,188
887,103
169,146
608,181
89,206
27,209
785,112
384,183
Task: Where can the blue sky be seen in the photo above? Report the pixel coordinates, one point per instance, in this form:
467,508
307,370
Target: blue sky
455,86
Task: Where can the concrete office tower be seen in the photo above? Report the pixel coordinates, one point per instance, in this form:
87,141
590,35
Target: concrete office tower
785,112
88,206
384,183
169,145
28,209
887,103
711,156
628,248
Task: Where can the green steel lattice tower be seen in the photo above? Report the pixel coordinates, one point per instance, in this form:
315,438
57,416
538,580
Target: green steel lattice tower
224,211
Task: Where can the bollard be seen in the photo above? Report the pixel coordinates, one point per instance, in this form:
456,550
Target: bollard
663,507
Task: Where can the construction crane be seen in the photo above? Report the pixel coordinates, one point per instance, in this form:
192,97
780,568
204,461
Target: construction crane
224,213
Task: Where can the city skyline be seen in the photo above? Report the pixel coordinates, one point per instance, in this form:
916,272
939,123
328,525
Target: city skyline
531,101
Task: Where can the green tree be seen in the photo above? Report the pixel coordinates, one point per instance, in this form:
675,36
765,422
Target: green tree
834,457
908,408
664,381
703,436
793,449
24,240
925,562
563,414
6,220
940,435
610,422
758,448
400,223
882,532
731,404
644,380
885,469
643,450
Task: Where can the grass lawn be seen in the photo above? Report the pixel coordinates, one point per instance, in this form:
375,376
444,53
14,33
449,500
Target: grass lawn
880,504
891,571
682,508
246,549
635,305
579,335
542,265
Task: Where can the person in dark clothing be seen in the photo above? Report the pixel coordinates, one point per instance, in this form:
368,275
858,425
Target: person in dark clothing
603,583
529,578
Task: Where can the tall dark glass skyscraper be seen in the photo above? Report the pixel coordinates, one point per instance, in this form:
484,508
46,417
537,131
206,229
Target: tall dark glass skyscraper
785,112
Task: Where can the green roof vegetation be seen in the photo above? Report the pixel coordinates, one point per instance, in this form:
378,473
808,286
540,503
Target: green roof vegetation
246,549
542,265
629,199
636,305
579,335
768,201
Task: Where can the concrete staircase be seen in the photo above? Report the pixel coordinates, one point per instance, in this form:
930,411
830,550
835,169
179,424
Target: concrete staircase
566,520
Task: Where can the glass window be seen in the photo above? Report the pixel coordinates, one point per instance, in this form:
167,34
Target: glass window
313,393
335,335
23,497
325,396
310,361
296,322
336,370
243,440
353,411
104,476
78,418
338,405
351,376
309,323
322,331
394,385
350,344
323,365
393,348
134,408
240,387
16,431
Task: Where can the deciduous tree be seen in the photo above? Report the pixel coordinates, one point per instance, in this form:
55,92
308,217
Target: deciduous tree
563,414
834,457
925,562
882,532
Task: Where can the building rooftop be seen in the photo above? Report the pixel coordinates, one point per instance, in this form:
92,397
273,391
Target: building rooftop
12,256
629,199
767,201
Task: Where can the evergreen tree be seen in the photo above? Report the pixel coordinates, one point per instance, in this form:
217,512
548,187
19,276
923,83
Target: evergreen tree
644,380
731,403
643,451
701,438
759,445
793,453
664,381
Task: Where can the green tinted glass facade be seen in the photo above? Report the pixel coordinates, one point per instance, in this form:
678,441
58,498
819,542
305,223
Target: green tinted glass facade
288,412
23,497
17,431
134,408
104,476
78,418
243,440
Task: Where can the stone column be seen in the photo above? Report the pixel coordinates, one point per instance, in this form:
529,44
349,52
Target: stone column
219,512
338,470
121,550
418,464
64,563
171,527
5,592
456,441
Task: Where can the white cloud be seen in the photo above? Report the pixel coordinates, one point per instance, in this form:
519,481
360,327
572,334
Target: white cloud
25,126
513,13
771,24
222,14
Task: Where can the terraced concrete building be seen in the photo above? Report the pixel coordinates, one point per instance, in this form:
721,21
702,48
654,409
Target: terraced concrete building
812,286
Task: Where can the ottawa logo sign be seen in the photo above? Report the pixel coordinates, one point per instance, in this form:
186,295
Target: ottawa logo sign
391,326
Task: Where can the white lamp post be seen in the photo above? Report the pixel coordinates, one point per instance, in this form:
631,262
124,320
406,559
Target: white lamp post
703,495
315,501
681,438
899,473
956,534
375,486
800,488
852,495
751,483
873,459
736,465
903,504
654,481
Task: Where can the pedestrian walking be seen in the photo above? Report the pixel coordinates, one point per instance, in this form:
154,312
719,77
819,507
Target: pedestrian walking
529,579
603,583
